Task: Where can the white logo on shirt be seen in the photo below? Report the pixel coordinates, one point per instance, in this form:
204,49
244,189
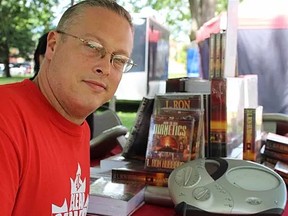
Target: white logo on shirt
78,202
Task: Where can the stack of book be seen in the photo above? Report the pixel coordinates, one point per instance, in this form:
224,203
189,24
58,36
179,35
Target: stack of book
226,101
120,188
275,152
115,199
276,148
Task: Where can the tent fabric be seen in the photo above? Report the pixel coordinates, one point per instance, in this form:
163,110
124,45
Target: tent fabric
262,49
252,14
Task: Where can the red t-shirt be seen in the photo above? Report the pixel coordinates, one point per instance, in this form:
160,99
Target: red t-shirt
44,158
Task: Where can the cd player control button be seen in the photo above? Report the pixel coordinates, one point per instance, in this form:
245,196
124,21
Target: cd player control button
253,200
201,193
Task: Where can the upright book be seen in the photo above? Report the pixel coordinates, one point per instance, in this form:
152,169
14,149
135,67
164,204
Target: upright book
114,199
175,130
183,106
218,118
135,147
252,139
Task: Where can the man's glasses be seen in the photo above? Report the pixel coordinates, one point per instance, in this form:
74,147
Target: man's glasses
120,62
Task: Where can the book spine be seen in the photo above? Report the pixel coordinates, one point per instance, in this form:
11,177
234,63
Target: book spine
212,56
252,141
276,146
136,144
218,119
128,176
206,132
218,56
223,50
249,134
276,155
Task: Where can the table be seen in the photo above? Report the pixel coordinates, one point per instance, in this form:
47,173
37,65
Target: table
147,210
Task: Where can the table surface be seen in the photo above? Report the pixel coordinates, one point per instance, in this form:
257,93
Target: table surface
165,211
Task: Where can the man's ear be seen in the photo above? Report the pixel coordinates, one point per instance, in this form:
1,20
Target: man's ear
51,44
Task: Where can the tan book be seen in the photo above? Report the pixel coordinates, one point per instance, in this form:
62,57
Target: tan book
252,140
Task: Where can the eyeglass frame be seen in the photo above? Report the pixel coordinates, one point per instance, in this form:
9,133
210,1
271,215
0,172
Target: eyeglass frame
103,52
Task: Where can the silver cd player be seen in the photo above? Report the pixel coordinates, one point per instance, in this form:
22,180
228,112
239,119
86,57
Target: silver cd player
218,186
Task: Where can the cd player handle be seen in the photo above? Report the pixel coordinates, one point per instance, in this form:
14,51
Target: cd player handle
223,166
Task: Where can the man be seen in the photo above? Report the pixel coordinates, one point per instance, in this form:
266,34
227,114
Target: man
44,138
39,53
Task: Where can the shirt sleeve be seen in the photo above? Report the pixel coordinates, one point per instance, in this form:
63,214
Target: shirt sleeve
9,174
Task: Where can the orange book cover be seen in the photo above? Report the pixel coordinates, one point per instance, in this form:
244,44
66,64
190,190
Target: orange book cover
169,142
218,118
136,173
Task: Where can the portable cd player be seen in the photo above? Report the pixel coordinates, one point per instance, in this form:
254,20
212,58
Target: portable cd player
218,186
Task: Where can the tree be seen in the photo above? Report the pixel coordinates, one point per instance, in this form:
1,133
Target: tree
182,16
20,23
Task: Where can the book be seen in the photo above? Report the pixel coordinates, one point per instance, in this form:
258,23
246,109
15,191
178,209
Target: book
252,139
202,88
212,58
226,116
136,173
115,199
169,142
167,102
218,118
136,144
282,169
276,155
182,106
276,142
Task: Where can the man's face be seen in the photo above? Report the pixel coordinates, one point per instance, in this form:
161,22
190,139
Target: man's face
80,81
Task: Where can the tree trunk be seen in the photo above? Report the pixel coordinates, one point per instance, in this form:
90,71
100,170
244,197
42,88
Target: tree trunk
6,60
201,12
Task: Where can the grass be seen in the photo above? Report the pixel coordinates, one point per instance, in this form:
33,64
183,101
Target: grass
127,118
4,80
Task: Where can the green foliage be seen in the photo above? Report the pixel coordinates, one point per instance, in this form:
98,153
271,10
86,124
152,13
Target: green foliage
21,22
176,13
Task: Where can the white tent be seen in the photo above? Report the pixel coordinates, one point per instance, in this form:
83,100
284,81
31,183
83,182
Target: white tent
262,48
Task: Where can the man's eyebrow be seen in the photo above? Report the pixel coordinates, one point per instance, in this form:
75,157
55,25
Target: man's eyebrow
103,43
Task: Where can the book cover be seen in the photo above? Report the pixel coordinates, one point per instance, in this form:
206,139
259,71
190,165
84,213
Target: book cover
136,173
184,106
252,139
169,142
226,116
176,101
218,118
136,145
115,199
